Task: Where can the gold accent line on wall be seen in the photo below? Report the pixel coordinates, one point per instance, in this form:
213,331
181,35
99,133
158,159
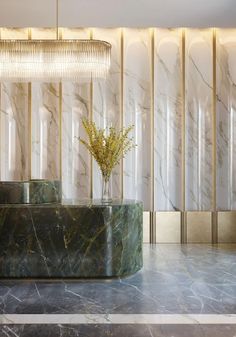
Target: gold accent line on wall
59,36
91,118
0,118
30,118
183,213
57,19
214,206
214,120
152,117
122,106
153,222
60,130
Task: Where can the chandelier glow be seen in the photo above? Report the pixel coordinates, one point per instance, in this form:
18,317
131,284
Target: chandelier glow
53,60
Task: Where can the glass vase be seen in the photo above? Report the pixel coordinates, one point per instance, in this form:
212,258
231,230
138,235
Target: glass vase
106,190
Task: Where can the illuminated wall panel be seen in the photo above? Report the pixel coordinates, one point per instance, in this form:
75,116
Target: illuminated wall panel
167,119
198,116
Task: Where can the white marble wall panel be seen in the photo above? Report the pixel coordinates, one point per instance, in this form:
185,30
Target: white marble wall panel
167,119
106,99
226,118
137,112
14,123
106,105
76,160
199,86
45,123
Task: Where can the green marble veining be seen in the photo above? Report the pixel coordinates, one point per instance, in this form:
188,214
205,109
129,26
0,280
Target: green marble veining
73,239
30,192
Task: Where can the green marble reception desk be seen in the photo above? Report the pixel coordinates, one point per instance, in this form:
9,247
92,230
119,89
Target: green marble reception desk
35,191
73,239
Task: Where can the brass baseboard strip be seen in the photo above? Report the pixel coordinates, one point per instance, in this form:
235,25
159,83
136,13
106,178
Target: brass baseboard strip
152,227
183,218
214,227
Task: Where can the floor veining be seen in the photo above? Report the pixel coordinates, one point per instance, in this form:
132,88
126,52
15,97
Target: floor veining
182,290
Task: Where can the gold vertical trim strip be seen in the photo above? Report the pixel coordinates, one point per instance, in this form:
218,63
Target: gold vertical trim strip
59,36
122,106
183,213
91,158
0,119
152,226
30,118
214,201
57,20
60,129
91,118
153,223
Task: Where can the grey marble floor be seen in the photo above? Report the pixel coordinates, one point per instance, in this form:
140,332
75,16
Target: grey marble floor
175,279
118,331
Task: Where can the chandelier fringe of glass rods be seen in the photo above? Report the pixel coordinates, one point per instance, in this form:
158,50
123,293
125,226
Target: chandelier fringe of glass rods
53,60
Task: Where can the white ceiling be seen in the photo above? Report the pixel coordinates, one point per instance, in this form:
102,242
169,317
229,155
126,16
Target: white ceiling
118,13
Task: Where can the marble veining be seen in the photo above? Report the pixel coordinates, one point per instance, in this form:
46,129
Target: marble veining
14,121
30,192
76,163
74,239
45,131
106,105
226,123
175,279
167,120
45,122
117,330
15,133
124,99
198,142
137,112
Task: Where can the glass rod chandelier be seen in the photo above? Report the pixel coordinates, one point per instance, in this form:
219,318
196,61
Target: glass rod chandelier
54,60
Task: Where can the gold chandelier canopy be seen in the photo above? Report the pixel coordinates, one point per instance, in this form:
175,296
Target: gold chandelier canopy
53,60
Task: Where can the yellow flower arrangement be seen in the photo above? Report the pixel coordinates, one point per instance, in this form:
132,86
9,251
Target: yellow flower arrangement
107,146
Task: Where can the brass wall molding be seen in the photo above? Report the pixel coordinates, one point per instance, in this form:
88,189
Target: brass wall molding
122,103
198,228
91,118
214,216
152,116
183,215
156,219
30,118
152,223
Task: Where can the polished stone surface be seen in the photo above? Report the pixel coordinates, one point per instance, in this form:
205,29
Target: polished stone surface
73,239
30,192
118,330
194,285
198,279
